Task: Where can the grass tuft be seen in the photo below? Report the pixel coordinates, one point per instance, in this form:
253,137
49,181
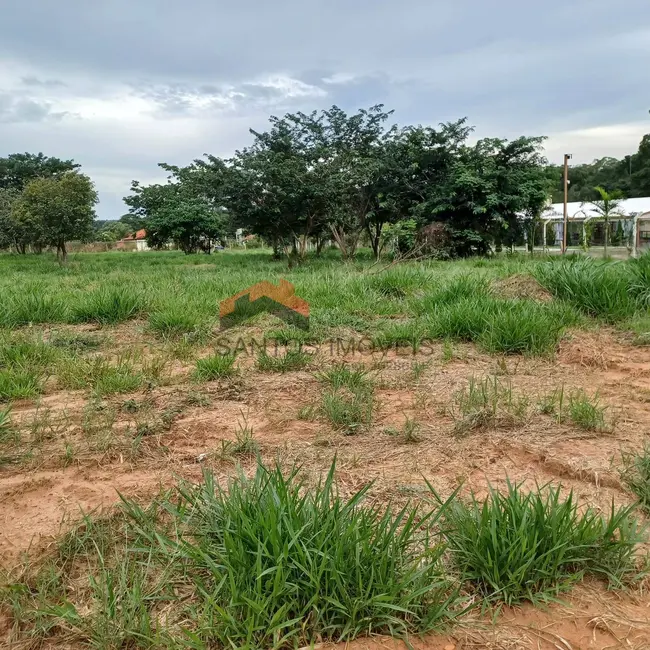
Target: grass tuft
636,475
287,362
532,545
109,305
218,366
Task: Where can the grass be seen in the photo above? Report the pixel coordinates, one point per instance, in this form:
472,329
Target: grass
601,289
174,322
486,403
289,361
636,475
19,383
531,545
261,562
217,366
587,413
109,305
348,402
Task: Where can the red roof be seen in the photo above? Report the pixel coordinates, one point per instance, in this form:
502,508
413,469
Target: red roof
141,234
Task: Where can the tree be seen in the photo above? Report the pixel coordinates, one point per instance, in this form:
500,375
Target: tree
607,206
8,233
176,211
58,209
18,169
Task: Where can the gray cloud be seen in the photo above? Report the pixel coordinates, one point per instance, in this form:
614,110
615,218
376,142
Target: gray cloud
18,109
160,80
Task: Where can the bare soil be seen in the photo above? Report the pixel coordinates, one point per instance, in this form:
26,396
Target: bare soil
71,469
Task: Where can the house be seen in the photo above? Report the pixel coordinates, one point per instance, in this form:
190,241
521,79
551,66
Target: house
134,242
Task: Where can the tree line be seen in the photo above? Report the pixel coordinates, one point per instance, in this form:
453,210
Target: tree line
355,179
329,175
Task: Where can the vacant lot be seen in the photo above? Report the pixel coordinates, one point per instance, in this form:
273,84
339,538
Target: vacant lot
420,386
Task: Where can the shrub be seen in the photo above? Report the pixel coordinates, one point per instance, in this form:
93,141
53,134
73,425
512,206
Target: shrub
217,366
531,545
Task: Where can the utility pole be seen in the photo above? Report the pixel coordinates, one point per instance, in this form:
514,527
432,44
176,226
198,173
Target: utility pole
567,156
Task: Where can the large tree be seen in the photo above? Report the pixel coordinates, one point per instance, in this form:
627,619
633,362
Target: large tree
18,169
61,208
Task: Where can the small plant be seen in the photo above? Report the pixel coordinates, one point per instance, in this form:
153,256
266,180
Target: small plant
418,368
412,430
587,413
5,424
552,403
20,383
291,360
218,366
636,475
447,351
532,545
244,443
174,322
195,398
341,375
308,412
487,403
350,411
75,343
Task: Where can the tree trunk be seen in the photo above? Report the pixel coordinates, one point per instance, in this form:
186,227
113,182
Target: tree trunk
606,235
320,242
374,232
62,252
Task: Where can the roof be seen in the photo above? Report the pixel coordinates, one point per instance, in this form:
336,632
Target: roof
141,234
580,210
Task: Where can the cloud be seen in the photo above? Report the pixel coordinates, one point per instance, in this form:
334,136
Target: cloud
121,86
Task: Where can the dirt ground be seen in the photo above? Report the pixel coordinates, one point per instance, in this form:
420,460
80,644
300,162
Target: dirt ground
44,492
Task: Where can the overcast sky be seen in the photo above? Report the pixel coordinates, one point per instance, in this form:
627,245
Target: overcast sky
120,85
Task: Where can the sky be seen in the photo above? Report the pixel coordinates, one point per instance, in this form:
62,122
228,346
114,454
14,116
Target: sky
121,85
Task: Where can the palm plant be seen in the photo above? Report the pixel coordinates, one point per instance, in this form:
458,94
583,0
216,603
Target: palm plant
607,206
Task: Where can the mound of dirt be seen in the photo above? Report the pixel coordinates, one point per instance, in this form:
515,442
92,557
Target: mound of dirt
521,286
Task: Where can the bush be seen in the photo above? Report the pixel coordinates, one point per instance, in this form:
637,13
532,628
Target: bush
531,545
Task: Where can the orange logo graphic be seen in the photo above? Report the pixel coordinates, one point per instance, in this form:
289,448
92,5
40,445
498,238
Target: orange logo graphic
280,301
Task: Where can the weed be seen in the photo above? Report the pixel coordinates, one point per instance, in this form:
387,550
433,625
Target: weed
587,413
174,322
218,366
75,343
291,360
487,403
308,412
636,475
418,368
244,443
552,403
532,545
341,375
348,410
195,398
6,430
20,383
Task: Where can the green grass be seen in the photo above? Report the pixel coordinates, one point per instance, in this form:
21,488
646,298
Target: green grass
106,378
262,562
597,288
217,366
531,545
341,375
109,305
174,322
636,475
20,383
587,413
487,403
349,411
290,361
